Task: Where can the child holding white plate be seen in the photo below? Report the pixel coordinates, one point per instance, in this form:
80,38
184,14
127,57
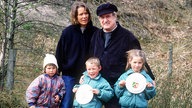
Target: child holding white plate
98,91
134,91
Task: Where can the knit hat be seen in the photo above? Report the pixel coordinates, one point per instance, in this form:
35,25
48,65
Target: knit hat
50,58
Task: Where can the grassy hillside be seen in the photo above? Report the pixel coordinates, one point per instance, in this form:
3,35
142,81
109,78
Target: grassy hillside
159,26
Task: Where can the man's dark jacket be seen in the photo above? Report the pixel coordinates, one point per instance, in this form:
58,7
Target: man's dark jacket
113,57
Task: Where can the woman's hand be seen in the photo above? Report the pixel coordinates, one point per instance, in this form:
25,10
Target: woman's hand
81,79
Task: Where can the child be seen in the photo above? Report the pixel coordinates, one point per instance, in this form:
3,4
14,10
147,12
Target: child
47,89
101,89
135,63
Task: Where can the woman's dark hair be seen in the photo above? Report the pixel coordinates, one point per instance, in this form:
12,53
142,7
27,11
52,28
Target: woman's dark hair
74,12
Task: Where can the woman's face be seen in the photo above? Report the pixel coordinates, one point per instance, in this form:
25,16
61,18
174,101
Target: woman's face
82,16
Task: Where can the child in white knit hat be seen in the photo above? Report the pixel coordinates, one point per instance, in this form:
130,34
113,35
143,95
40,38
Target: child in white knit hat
47,89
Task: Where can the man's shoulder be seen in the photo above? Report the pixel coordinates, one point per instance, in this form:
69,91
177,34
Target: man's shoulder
97,32
125,31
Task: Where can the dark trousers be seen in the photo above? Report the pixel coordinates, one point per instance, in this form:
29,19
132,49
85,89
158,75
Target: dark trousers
113,103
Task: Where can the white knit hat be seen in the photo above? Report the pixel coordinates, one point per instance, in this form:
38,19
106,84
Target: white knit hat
49,58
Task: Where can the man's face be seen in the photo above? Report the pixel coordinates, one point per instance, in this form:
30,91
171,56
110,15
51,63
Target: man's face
108,21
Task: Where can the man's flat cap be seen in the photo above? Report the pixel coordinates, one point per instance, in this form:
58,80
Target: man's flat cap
105,9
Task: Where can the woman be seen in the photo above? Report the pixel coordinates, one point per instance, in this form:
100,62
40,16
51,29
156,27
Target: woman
73,47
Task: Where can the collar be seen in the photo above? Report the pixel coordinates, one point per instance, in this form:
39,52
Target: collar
54,76
112,29
130,71
96,78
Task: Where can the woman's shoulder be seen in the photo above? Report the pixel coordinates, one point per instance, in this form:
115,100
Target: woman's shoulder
95,28
69,28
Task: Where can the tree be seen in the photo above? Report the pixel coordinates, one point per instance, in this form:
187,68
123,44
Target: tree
10,8
20,28
188,3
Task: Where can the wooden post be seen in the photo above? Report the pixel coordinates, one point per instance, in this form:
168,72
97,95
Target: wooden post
170,60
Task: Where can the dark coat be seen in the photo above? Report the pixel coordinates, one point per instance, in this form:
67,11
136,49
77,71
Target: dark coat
72,49
113,57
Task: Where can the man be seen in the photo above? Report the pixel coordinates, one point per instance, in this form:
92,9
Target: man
110,44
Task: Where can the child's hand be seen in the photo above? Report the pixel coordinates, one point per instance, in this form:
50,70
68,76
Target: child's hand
95,91
122,83
154,84
56,98
75,90
149,84
32,106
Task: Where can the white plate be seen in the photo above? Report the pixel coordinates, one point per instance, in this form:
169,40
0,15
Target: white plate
136,83
84,94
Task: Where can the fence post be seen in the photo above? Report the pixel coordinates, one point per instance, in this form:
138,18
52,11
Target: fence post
170,60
